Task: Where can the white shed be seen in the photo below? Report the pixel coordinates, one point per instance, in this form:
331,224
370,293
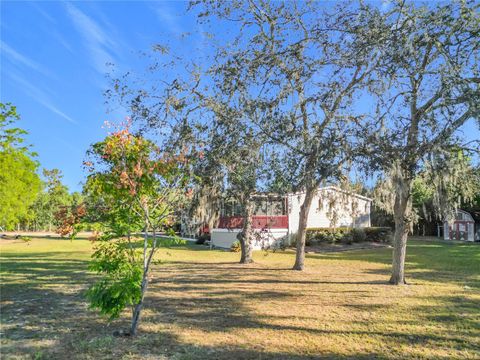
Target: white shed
462,227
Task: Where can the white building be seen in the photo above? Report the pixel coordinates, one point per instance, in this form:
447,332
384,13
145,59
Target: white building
276,217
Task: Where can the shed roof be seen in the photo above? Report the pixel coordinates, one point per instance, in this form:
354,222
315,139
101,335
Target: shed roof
475,214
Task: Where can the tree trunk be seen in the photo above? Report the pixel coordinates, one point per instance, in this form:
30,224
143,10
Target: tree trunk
147,258
138,308
399,253
402,221
302,227
247,234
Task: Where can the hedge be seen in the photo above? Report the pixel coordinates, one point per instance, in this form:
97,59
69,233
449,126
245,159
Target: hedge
347,235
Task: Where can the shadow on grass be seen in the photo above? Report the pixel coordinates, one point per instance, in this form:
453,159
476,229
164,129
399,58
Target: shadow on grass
458,310
174,348
435,261
44,312
42,297
248,274
215,309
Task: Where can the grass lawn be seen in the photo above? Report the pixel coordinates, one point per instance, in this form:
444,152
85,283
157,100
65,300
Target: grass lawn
203,305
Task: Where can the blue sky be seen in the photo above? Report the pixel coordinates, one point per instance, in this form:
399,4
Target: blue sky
53,65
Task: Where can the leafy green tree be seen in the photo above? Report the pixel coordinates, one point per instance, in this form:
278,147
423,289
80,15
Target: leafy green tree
53,196
19,182
133,185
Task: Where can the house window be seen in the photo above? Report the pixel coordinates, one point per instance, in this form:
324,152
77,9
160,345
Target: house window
261,207
237,209
269,207
277,207
231,208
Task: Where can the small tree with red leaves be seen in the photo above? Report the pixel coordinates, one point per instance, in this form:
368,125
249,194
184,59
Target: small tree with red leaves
69,219
133,185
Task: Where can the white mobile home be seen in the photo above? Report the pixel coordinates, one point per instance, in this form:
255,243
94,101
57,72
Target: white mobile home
276,217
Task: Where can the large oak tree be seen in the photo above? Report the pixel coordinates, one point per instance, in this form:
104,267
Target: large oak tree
427,88
296,67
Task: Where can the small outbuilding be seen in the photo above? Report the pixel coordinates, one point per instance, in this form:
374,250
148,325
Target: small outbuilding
463,227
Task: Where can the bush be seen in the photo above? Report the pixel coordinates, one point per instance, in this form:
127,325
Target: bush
358,235
202,238
347,238
326,235
347,235
236,247
378,234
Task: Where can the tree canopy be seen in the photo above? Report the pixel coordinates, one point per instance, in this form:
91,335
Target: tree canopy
19,182
426,87
134,186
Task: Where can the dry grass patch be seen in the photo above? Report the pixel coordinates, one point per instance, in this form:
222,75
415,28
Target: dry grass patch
201,304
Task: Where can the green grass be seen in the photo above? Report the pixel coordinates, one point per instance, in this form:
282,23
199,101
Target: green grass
202,304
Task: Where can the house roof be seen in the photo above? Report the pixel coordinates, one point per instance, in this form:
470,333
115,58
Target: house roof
335,188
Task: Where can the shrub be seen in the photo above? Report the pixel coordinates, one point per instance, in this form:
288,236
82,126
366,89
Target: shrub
378,234
236,247
325,235
347,235
347,238
358,235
